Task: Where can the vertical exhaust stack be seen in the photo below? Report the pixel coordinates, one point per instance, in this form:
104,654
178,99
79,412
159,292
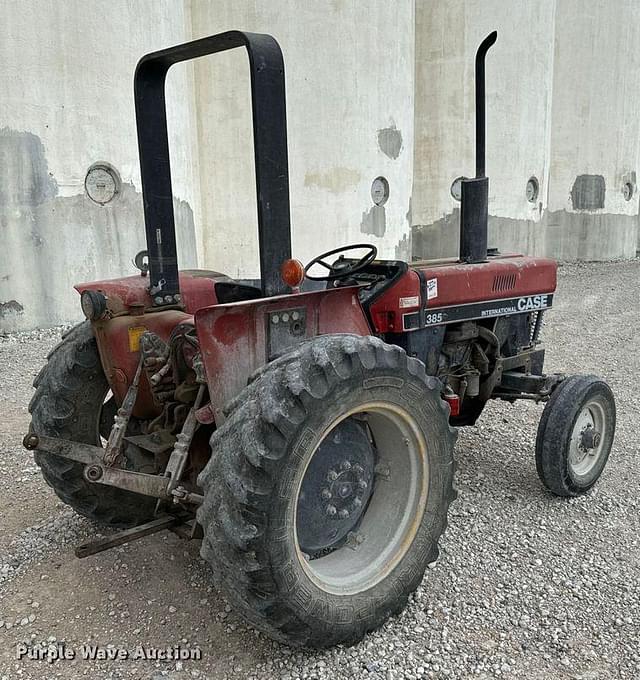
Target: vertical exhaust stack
474,209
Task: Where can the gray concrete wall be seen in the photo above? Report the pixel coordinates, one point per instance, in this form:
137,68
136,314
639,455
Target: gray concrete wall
562,106
595,131
349,85
519,72
67,102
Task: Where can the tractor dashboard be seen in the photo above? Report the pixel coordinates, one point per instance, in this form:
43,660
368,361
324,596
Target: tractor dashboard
373,279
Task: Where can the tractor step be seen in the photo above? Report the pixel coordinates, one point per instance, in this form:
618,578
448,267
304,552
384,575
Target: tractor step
133,534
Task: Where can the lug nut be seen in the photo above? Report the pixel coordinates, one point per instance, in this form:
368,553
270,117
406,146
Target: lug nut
358,469
326,494
345,465
343,514
331,510
332,476
357,502
362,484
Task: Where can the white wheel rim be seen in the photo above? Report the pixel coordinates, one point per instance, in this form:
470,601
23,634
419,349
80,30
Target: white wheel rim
347,571
588,438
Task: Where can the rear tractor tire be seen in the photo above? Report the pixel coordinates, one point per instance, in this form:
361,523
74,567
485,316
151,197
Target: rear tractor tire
575,435
328,489
68,404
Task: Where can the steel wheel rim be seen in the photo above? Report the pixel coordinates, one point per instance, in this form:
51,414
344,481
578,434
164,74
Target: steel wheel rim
392,518
583,458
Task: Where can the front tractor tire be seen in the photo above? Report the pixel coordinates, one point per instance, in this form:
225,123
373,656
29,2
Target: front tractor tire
575,435
328,489
68,404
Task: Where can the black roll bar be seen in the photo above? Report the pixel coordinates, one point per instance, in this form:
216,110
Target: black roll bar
268,104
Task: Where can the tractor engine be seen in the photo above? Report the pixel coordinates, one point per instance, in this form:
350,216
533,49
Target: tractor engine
467,356
472,355
470,349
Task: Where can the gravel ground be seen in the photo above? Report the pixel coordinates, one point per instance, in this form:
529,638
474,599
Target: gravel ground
527,585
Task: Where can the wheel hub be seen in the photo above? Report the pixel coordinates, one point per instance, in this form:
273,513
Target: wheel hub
590,438
346,489
587,437
336,487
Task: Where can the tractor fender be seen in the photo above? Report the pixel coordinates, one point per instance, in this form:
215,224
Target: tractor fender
118,341
237,339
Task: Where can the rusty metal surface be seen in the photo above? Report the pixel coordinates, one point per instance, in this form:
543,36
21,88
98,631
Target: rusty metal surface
157,442
113,449
97,472
119,352
80,453
181,495
197,288
189,531
122,537
235,340
138,482
178,458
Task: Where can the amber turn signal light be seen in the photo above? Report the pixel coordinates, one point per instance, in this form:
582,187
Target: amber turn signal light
292,272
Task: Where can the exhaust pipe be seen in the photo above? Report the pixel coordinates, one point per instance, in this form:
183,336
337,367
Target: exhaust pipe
474,208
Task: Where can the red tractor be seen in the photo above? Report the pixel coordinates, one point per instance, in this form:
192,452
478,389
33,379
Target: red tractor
305,435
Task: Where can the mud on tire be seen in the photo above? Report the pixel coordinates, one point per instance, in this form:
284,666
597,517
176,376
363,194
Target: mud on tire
258,459
70,392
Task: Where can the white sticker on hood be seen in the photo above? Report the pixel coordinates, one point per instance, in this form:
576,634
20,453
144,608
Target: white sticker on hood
413,301
432,289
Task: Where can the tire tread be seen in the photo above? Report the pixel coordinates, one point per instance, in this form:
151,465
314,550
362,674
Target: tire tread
57,407
240,478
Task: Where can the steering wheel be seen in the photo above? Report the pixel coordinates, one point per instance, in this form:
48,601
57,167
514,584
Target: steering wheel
347,269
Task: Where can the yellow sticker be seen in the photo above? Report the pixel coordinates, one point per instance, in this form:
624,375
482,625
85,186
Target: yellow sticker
135,332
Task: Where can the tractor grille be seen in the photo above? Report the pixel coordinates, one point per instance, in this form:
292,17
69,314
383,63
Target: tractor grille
503,282
534,326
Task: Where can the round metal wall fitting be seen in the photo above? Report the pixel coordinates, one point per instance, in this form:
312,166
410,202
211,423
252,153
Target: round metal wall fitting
627,191
102,183
380,190
456,188
532,190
